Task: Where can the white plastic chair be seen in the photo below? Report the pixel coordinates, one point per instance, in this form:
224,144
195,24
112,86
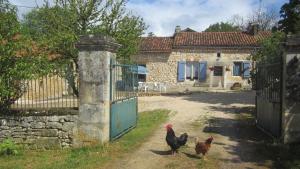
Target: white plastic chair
143,87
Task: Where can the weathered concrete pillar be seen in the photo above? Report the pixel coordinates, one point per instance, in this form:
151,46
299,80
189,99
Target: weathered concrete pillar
95,53
291,90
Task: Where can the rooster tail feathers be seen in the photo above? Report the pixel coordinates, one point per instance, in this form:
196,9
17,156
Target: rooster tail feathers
184,135
183,139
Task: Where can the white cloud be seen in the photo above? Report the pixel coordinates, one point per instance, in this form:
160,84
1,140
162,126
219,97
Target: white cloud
25,6
163,15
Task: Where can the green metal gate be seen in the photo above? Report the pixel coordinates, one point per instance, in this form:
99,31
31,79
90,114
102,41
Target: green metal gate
123,97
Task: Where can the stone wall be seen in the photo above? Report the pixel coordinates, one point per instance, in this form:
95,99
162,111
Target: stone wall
48,130
162,67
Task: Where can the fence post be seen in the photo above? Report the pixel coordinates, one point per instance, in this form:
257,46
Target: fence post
95,53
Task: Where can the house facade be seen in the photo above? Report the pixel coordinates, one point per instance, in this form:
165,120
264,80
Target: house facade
211,59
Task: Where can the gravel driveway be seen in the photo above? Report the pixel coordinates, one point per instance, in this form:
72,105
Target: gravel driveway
224,115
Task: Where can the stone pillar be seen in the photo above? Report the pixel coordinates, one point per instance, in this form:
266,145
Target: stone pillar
95,53
291,91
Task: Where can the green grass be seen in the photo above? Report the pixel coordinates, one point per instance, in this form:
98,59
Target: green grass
89,157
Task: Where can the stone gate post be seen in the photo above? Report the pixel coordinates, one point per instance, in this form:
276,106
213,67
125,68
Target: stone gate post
95,53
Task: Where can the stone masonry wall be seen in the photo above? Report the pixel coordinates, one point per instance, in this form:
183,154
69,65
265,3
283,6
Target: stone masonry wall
40,130
162,67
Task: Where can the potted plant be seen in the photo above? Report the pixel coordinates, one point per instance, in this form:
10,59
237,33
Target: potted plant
227,68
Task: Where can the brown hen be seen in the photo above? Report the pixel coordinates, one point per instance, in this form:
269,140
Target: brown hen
203,147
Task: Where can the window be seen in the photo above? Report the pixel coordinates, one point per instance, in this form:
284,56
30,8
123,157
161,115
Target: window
241,68
142,77
237,69
219,54
189,70
192,69
218,71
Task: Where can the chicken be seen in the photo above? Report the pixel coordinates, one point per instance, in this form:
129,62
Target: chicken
173,141
203,147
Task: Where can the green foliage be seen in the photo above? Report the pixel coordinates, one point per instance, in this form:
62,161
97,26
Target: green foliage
222,27
18,58
123,27
58,28
8,147
270,52
290,14
271,49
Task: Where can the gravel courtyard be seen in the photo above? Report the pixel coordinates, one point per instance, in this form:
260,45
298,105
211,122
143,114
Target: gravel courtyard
227,116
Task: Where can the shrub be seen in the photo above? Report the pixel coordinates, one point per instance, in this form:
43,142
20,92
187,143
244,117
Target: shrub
8,147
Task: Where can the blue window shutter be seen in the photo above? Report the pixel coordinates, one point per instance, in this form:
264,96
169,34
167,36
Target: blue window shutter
181,71
236,70
202,70
246,69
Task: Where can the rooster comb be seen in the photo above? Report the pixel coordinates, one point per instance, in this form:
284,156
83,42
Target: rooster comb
169,126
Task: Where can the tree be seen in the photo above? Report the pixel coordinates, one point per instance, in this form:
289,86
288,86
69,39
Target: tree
77,17
290,14
270,52
238,21
222,27
123,26
59,27
271,49
266,19
20,58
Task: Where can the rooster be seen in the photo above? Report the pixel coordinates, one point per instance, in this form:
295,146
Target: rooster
173,141
203,147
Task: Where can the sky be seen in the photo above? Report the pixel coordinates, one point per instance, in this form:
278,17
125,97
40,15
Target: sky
162,16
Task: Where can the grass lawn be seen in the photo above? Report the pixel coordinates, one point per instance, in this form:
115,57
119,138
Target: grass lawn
88,157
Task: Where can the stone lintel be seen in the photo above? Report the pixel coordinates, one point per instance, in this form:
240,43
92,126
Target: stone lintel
97,43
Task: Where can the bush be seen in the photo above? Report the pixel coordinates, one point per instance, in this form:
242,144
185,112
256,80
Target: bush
8,147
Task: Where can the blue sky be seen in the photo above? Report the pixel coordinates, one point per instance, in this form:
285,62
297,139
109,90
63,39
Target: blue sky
163,15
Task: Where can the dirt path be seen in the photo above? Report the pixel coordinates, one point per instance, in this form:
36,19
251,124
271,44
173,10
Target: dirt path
223,115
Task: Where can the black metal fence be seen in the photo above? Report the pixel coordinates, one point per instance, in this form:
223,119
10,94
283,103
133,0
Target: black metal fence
58,89
268,81
269,78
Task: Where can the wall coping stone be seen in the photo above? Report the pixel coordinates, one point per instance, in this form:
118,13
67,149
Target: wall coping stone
42,112
97,43
292,43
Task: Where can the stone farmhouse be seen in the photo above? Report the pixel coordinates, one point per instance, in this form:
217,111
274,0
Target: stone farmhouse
208,59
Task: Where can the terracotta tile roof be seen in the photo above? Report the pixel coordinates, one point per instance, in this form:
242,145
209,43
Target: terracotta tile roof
156,44
230,39
201,39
